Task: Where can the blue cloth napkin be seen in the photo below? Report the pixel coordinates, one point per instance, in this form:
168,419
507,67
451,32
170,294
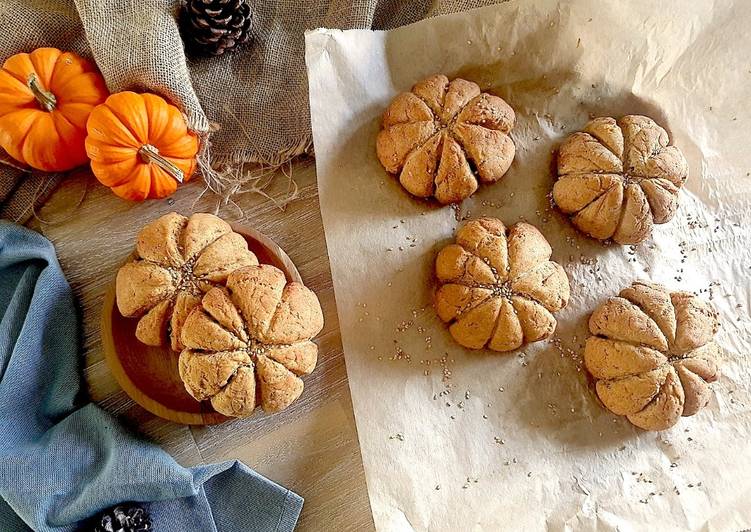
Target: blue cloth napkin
62,458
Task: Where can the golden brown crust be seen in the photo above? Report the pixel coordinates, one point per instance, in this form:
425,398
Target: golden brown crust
581,153
573,192
443,137
455,264
454,180
636,220
299,358
263,317
238,397
611,359
452,299
662,196
223,256
298,316
397,142
201,230
406,108
535,320
432,90
256,292
602,215
545,283
279,386
201,331
460,92
508,333
696,322
527,248
205,374
473,328
176,258
159,241
497,287
665,409
628,395
487,240
619,319
616,179
490,112
490,151
606,130
141,285
152,328
652,354
655,301
421,166
218,304
185,302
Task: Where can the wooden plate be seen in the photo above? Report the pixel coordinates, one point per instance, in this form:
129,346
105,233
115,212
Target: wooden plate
149,374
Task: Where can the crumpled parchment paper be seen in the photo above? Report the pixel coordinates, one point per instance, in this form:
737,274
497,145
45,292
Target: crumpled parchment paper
459,440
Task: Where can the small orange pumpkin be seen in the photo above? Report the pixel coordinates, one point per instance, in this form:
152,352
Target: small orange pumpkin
140,146
45,99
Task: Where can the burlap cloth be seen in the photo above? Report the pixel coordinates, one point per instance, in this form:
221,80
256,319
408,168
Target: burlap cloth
255,101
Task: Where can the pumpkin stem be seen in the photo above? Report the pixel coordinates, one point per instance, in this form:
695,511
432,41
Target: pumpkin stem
45,98
149,154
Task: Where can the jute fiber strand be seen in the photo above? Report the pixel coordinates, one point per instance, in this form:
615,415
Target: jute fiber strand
251,106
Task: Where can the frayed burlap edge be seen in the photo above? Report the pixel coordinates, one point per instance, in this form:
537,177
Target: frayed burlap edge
240,172
244,171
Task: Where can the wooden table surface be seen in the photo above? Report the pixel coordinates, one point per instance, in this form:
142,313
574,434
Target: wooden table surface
310,448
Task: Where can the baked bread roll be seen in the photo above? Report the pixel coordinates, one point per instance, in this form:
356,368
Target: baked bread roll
616,179
444,137
498,288
652,354
248,343
177,259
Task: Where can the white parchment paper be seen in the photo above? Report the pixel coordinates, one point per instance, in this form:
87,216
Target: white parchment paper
460,440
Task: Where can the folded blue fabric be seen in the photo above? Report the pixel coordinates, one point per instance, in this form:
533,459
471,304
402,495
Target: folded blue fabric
62,458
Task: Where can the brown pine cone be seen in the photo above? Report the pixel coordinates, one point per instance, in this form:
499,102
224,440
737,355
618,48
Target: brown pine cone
210,27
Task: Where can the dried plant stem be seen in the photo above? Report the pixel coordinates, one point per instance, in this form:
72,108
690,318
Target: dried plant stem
45,98
150,154
230,180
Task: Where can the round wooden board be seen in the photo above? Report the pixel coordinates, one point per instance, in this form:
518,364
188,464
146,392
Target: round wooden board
149,374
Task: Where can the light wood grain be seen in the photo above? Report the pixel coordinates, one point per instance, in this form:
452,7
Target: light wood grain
312,446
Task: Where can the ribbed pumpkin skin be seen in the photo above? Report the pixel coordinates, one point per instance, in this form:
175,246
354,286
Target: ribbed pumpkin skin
123,125
49,140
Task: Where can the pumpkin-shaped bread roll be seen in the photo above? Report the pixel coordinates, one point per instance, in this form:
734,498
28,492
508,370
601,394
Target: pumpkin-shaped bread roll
250,342
618,178
498,288
177,260
652,354
444,137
